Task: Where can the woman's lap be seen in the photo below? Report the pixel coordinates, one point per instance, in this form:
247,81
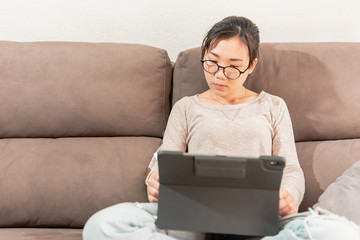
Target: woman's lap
130,221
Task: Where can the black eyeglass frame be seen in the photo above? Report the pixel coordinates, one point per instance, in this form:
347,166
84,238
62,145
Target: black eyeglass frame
218,67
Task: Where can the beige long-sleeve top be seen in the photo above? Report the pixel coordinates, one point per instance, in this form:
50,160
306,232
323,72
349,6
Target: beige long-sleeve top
261,126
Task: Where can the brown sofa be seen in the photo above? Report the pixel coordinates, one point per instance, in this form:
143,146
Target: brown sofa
80,122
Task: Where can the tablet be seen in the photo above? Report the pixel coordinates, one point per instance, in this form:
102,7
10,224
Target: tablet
219,194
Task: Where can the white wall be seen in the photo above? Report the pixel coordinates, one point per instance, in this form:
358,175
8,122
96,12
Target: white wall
175,25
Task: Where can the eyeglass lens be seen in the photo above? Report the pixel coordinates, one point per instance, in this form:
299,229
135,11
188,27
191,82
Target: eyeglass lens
229,72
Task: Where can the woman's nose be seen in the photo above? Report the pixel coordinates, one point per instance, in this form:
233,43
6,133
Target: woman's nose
220,74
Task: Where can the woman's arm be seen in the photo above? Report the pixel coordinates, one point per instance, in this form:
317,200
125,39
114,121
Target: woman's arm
293,182
174,140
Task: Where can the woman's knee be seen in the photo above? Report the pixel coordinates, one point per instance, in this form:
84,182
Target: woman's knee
124,220
332,227
101,225
323,227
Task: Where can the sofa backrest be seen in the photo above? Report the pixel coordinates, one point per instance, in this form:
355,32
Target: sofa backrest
79,125
320,84
317,81
58,89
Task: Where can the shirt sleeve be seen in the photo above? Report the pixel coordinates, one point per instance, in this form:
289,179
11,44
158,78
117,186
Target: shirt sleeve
284,145
175,134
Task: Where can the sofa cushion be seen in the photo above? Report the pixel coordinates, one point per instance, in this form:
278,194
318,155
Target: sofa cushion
322,162
64,89
188,77
62,182
40,234
318,81
342,197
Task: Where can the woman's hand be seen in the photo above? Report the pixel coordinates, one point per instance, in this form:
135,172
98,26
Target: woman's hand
287,204
153,187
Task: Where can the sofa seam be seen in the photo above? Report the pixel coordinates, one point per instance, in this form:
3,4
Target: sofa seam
164,93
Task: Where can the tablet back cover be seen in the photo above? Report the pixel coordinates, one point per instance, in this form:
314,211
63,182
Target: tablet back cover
219,194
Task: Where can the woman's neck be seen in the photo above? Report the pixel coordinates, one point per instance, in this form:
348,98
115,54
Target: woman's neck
228,100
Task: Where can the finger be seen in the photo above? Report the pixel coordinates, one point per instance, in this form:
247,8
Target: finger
285,211
154,179
290,198
283,202
286,197
154,184
291,203
293,207
153,192
283,194
289,208
288,204
155,176
152,199
295,210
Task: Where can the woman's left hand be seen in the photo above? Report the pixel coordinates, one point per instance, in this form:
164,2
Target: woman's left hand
287,204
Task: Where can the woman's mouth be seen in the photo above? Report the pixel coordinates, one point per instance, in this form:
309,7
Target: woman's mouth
219,86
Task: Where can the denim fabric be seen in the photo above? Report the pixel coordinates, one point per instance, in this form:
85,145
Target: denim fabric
131,221
317,224
134,221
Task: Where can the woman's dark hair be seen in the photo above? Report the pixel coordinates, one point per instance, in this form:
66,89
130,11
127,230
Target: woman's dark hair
230,27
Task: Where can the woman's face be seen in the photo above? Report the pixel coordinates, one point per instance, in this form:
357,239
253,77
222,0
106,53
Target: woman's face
228,52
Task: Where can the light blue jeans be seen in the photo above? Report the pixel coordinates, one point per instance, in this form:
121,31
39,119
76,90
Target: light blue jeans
136,221
131,221
317,224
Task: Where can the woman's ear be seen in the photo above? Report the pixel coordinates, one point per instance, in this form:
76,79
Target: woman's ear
253,65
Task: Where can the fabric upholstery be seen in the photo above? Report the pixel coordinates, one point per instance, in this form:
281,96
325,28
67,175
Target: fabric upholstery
80,122
322,162
342,196
188,76
318,81
62,89
40,234
62,182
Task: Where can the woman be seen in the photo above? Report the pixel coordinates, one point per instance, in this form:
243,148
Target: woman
227,119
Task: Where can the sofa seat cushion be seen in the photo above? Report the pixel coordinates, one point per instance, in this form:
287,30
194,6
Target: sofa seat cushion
40,234
322,162
62,182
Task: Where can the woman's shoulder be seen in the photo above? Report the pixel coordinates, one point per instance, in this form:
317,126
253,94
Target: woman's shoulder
274,100
276,105
185,100
184,103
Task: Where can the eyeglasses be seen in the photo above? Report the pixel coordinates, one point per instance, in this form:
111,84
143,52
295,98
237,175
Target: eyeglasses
230,72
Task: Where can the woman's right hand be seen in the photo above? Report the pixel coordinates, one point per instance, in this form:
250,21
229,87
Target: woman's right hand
153,187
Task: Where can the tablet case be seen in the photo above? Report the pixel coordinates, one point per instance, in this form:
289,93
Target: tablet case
219,194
